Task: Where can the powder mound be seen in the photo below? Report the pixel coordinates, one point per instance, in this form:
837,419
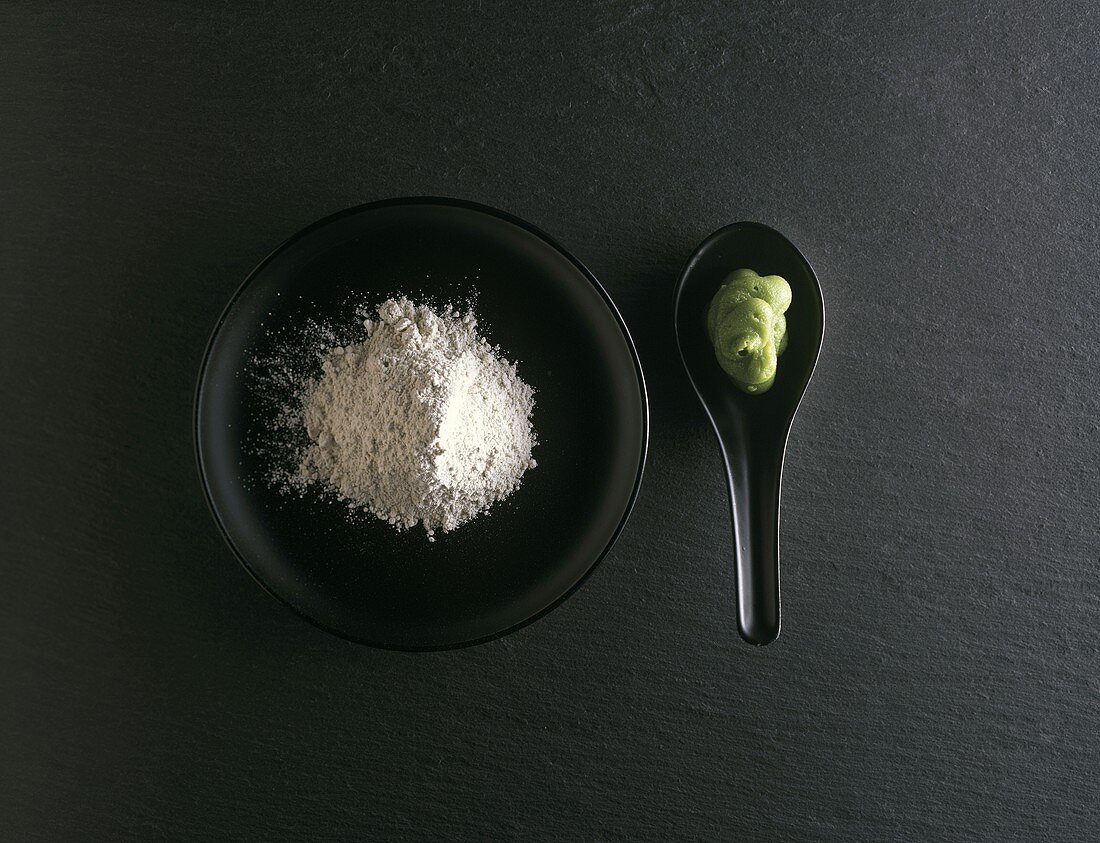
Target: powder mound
422,423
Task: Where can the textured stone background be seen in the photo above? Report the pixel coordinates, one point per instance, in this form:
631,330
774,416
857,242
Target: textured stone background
937,674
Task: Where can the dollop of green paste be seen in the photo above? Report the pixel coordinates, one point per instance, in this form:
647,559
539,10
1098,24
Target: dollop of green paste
748,328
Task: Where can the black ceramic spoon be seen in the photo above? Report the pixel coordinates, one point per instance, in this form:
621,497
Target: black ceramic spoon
752,429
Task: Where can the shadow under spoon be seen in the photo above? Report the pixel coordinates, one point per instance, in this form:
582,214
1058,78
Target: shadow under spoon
752,429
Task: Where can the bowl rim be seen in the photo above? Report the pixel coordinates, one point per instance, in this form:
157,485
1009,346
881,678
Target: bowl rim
444,202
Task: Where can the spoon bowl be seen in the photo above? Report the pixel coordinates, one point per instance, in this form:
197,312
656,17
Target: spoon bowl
752,430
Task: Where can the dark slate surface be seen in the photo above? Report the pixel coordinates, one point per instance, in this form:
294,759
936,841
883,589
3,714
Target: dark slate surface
938,672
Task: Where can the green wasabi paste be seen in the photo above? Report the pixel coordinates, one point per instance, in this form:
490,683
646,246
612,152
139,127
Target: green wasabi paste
748,328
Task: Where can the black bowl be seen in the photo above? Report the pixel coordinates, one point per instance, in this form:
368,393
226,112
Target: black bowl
356,576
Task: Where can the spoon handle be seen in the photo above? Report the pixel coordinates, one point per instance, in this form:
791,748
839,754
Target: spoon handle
754,500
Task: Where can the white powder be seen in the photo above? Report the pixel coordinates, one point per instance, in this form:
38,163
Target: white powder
421,423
